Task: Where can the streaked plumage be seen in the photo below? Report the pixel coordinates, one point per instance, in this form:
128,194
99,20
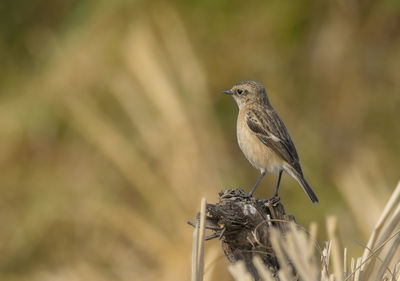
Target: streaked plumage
263,137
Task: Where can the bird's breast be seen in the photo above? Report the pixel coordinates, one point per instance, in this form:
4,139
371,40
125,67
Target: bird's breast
256,152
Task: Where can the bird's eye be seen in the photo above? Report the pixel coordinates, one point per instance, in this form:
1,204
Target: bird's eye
239,91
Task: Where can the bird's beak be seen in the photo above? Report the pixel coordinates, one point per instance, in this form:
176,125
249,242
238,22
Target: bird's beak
228,92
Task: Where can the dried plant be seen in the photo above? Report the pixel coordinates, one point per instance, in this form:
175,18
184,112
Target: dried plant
298,249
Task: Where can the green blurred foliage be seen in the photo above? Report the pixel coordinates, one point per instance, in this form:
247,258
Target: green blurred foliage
100,167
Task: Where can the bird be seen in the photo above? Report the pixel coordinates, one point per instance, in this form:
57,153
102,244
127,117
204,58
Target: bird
263,138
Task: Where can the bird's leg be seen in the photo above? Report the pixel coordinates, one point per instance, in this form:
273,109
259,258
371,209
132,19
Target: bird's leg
256,184
278,183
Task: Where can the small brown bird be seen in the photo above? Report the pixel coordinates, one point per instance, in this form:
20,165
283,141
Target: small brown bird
263,137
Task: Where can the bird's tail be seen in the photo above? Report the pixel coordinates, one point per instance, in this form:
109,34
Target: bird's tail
304,184
307,189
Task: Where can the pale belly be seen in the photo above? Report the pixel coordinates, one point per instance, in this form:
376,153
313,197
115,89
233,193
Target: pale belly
258,154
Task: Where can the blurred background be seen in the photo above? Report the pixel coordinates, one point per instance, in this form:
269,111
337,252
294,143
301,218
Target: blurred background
113,125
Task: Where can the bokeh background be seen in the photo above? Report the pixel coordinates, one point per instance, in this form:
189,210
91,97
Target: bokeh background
112,125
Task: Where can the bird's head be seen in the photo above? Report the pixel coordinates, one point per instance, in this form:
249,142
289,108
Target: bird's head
247,92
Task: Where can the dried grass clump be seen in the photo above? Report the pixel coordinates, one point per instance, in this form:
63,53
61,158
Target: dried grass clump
380,260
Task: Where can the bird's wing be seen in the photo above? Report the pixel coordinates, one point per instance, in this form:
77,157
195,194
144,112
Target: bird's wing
270,130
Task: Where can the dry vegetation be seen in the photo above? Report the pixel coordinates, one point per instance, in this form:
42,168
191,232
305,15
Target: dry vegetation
299,249
112,126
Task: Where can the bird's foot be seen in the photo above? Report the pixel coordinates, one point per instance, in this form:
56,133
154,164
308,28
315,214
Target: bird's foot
244,193
274,199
